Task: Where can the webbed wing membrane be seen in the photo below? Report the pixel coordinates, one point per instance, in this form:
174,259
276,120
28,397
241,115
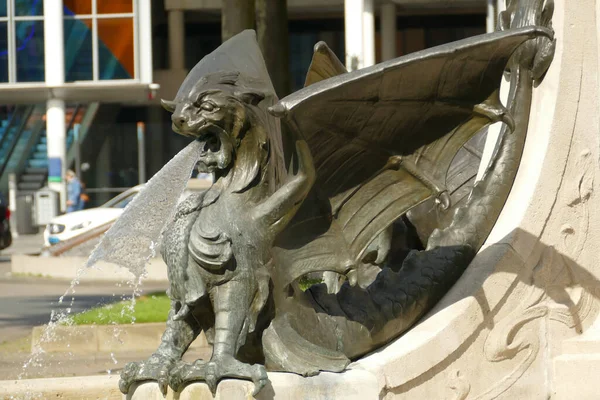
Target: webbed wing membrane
382,140
324,65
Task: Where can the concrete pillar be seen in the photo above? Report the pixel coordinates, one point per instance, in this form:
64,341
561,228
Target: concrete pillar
369,33
144,65
388,31
176,39
359,33
54,67
492,11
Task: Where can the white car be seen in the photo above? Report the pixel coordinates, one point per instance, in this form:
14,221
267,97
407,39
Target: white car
72,224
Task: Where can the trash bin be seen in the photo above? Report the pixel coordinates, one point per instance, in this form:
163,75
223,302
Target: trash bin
25,218
47,206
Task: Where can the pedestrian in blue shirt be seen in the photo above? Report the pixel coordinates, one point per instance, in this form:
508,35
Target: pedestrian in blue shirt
73,192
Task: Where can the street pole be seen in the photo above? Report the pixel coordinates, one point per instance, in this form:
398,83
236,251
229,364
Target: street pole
77,144
141,133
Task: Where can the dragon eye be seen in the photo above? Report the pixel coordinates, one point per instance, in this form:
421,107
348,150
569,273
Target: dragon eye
207,106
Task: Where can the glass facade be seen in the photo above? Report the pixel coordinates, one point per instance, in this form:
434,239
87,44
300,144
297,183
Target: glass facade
99,43
3,51
115,49
79,59
27,8
30,51
21,41
99,40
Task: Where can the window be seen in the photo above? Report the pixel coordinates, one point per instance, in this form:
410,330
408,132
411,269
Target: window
99,39
21,41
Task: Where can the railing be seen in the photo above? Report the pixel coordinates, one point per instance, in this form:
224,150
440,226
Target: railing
5,159
66,245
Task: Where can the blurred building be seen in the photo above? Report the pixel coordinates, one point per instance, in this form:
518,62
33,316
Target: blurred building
87,71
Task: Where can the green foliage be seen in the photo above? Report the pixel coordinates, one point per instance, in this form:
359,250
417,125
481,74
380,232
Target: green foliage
306,282
150,308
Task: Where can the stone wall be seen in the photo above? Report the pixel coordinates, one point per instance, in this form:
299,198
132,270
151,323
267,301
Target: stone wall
520,323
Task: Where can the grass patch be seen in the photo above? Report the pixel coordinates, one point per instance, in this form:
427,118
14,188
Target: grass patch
306,282
150,308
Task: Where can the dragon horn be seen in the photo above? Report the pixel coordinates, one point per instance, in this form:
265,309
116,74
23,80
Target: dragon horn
168,105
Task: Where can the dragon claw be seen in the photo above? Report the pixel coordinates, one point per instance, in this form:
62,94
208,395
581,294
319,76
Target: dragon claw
211,377
163,382
154,369
214,371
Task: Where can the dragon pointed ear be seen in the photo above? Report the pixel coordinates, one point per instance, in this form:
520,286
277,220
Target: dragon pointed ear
168,105
252,98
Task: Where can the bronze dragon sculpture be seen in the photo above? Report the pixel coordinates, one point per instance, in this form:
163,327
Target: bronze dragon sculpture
367,148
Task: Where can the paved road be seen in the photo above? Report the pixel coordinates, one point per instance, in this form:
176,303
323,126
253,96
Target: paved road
28,302
25,303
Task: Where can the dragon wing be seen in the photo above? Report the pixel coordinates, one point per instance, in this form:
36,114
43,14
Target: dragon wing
382,140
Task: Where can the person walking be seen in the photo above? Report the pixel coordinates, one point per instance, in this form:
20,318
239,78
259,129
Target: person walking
73,192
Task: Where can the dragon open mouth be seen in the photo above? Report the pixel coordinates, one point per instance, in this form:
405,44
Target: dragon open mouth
216,149
211,142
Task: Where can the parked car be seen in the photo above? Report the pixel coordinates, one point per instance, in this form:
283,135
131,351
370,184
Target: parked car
5,234
73,224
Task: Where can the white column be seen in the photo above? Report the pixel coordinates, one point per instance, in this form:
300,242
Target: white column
176,39
144,17
492,10
359,23
353,22
368,33
57,148
54,67
388,31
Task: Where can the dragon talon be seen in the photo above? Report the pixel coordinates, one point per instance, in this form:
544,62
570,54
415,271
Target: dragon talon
163,382
259,385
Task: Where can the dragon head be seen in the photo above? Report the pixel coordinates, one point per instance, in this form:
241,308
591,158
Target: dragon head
217,115
222,112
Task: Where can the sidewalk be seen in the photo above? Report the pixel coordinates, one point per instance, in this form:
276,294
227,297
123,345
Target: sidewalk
25,244
66,364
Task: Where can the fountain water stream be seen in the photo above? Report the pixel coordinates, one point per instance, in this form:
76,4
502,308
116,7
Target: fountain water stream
131,242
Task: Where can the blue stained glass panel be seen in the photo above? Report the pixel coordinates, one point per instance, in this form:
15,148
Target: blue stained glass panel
78,50
30,51
3,52
3,8
29,7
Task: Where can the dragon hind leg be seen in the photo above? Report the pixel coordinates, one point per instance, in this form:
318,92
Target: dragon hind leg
175,341
231,302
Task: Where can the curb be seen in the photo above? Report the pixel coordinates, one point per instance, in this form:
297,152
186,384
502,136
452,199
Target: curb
82,388
105,338
67,267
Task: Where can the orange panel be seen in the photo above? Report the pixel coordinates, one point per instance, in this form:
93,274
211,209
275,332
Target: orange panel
79,7
117,35
114,6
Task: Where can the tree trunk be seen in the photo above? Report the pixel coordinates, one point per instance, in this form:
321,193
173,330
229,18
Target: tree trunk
236,15
273,39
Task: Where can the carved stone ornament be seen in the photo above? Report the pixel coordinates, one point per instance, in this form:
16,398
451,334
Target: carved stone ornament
366,166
